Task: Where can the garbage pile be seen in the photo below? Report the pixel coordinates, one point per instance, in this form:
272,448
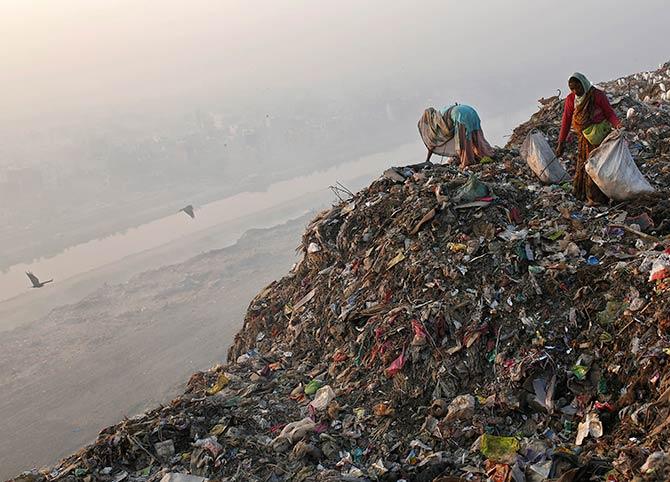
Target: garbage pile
649,87
441,326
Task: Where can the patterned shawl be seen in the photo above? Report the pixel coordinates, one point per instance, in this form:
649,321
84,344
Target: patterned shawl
436,130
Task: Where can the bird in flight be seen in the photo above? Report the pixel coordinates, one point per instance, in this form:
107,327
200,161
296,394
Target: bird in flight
35,280
188,210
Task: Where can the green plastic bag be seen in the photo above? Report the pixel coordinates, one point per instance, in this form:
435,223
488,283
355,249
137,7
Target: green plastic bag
580,371
500,449
472,189
312,387
596,133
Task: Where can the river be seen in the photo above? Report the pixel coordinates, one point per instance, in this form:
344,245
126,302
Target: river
125,321
100,252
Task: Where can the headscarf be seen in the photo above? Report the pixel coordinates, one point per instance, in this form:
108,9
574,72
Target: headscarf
584,104
586,84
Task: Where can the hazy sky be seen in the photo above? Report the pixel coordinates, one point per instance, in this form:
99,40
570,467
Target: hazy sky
60,55
63,62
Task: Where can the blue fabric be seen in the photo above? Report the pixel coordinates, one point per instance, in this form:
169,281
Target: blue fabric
465,115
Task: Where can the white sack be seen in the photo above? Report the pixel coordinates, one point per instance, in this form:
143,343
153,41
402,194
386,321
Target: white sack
541,159
613,169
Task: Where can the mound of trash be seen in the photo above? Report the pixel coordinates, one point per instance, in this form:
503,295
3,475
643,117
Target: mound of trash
441,326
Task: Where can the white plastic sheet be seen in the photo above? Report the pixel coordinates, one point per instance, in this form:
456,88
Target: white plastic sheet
323,397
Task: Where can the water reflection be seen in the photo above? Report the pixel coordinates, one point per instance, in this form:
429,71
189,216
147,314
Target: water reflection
94,254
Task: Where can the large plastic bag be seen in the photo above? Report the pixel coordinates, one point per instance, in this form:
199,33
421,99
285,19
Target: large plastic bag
472,189
613,169
541,159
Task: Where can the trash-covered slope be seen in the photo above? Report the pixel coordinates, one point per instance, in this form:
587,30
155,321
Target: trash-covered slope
440,326
541,312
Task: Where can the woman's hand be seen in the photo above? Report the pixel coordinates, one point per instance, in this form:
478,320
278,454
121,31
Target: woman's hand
560,148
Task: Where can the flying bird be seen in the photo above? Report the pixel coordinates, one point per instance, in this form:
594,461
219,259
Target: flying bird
188,210
35,280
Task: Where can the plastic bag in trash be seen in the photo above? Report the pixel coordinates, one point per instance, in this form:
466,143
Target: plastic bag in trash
472,189
613,169
323,397
541,159
500,449
661,267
